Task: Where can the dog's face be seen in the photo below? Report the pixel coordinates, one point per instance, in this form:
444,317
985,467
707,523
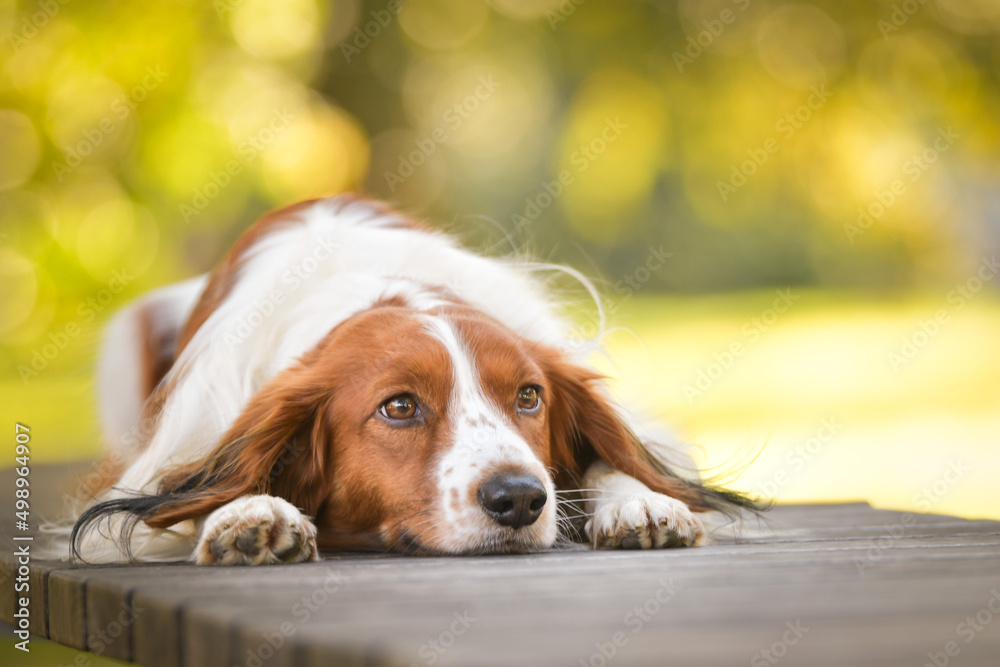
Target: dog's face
436,434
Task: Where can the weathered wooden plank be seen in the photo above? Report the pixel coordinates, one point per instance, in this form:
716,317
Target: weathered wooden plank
882,643
894,526
392,588
517,614
159,634
111,615
207,638
698,599
734,568
921,561
67,607
819,517
36,593
112,611
207,624
278,603
825,524
156,637
699,612
7,569
379,604
39,581
152,622
399,584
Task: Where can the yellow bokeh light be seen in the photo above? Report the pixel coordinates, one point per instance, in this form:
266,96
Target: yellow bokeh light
32,205
871,179
614,144
912,74
971,16
322,151
17,299
40,315
245,96
116,236
276,29
43,60
443,24
726,181
866,153
20,149
730,25
403,174
169,157
105,234
480,107
801,46
87,119
526,9
8,14
84,190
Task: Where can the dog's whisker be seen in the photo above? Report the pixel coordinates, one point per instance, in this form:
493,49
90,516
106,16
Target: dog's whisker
415,542
406,532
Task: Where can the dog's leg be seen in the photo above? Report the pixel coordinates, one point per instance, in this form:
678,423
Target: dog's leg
256,530
624,513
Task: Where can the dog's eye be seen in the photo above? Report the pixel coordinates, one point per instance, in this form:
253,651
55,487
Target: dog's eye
527,399
399,408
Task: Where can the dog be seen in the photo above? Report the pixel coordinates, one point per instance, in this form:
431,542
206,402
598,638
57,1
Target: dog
350,379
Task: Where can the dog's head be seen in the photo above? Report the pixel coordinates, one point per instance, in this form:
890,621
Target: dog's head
431,431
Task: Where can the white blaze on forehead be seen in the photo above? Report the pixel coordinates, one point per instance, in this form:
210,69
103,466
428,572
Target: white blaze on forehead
467,399
468,406
482,440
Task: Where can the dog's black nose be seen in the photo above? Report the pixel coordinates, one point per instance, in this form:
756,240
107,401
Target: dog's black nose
512,500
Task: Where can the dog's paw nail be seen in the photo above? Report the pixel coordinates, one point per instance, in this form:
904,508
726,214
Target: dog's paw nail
644,521
256,530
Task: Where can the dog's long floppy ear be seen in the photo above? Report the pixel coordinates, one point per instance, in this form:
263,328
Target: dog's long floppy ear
278,446
585,427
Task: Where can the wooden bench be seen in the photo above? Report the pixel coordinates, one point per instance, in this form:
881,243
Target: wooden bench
841,584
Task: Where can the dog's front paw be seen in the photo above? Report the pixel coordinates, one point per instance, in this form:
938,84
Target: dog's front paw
643,521
256,530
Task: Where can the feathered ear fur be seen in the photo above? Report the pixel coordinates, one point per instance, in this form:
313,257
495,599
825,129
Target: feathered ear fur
585,427
279,446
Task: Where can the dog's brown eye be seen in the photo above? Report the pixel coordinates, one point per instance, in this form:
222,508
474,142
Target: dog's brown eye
527,398
399,407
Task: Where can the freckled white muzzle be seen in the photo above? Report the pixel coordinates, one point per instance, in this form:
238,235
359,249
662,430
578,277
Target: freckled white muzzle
495,495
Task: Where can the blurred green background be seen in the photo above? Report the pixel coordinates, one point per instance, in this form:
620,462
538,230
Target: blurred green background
792,208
